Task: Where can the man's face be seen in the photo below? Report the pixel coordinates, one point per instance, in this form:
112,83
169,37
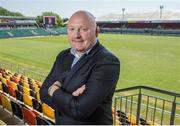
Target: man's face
81,33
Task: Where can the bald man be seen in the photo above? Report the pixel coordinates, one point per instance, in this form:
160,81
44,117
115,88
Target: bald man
82,81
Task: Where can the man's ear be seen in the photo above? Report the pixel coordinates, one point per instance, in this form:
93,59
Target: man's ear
97,30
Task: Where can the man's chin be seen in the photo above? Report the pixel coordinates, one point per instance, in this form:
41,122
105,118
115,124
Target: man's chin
80,50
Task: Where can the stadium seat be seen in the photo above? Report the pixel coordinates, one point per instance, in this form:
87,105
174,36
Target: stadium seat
8,82
12,91
42,121
16,79
28,116
5,88
14,85
143,122
131,118
38,96
26,91
122,116
37,105
31,87
19,95
6,103
33,94
27,100
1,88
20,88
36,87
48,111
25,84
0,75
3,80
152,123
16,109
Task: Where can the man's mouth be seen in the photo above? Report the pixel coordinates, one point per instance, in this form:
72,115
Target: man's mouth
77,40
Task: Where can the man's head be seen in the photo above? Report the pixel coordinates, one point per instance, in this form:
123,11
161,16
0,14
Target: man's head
82,31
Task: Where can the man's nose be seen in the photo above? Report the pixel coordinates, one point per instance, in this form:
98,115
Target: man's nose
77,33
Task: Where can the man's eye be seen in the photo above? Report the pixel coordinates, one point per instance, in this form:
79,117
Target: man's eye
84,29
71,29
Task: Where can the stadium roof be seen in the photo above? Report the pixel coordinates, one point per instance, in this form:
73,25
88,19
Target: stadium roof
155,15
17,17
141,21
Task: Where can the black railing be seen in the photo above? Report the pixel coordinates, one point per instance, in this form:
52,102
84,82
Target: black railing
138,106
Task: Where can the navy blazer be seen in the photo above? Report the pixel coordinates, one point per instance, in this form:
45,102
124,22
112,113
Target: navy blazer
99,71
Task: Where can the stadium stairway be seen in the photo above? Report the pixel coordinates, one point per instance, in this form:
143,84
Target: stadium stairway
11,33
8,119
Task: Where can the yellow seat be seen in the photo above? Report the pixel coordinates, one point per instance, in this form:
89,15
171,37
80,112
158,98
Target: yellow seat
8,77
0,76
3,80
1,86
151,123
14,85
25,84
26,91
48,111
131,118
38,96
117,122
6,103
27,100
36,88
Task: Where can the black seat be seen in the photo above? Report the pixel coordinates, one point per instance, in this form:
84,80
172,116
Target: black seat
16,108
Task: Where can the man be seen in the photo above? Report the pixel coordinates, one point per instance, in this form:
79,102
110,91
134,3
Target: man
82,81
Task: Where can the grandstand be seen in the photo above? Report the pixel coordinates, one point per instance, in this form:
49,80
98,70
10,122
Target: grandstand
10,22
154,27
11,27
19,96
26,26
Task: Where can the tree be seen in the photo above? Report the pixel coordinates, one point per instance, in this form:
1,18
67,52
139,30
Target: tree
5,12
39,19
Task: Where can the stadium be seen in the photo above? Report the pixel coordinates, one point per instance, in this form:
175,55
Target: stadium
147,92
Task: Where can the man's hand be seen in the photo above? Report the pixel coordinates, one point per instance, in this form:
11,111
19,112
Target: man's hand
56,85
79,90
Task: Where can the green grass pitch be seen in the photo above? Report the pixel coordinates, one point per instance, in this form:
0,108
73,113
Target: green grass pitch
145,60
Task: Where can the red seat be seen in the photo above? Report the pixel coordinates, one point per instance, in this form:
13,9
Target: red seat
8,82
12,91
29,116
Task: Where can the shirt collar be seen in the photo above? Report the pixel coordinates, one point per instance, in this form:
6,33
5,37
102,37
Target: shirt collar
73,51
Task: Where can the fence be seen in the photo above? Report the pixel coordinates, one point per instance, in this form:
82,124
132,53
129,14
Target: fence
168,32
138,106
35,74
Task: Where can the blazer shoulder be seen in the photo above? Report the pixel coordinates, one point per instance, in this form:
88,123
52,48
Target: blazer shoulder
63,53
105,56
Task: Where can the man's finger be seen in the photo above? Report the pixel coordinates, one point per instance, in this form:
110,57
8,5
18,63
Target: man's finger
79,91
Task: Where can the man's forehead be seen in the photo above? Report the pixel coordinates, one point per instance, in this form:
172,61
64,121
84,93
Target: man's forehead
83,14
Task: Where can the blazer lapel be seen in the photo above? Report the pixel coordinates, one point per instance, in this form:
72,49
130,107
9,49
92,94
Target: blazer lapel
81,63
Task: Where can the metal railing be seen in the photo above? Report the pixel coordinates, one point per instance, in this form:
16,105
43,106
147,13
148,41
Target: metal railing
35,74
138,106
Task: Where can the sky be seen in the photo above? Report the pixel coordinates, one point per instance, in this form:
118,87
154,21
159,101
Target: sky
65,8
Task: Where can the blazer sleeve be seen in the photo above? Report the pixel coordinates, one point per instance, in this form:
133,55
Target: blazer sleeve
101,81
50,79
